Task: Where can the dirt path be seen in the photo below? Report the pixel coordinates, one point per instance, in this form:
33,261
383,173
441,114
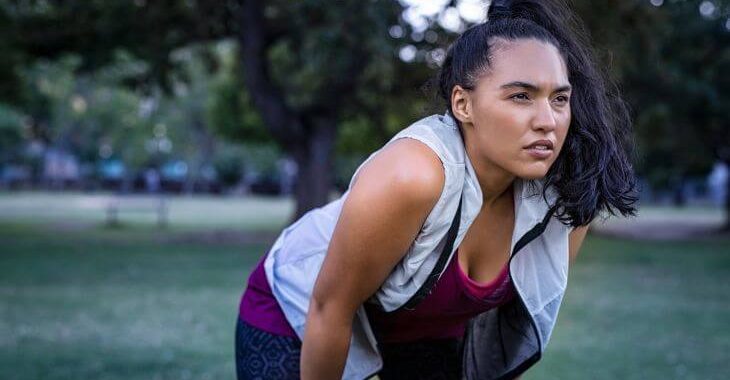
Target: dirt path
665,225
225,237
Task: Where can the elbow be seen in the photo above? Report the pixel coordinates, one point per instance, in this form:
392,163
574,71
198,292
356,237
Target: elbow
328,312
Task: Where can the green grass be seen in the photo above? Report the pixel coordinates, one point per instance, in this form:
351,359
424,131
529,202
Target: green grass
79,301
638,310
92,305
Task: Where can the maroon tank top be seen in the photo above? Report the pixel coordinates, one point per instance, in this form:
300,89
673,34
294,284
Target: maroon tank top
258,306
454,299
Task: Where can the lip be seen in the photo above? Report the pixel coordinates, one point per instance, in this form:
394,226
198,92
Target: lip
535,152
547,143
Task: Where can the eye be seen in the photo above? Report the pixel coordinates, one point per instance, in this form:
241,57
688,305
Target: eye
521,97
562,99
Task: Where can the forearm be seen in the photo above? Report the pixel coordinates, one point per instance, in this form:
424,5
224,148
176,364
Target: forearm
325,346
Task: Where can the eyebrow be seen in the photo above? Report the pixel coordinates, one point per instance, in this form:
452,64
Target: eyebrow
532,87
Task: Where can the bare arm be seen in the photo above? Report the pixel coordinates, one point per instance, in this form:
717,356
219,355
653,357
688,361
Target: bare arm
575,240
381,217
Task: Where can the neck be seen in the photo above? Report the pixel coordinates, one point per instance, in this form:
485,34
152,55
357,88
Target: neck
494,181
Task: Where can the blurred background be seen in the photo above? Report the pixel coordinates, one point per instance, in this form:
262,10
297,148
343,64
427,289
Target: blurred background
150,152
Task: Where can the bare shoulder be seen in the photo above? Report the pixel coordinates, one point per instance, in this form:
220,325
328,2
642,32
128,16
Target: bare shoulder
388,203
579,231
575,240
408,167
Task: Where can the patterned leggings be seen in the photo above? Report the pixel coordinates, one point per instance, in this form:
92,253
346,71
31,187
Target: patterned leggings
261,355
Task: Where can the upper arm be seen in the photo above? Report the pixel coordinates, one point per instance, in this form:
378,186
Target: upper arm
382,215
575,240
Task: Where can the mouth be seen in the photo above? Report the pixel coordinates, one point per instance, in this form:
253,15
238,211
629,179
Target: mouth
540,149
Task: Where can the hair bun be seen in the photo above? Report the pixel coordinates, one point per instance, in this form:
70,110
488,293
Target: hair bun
499,9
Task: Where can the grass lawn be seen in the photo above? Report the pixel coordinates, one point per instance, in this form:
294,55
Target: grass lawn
643,310
85,302
117,305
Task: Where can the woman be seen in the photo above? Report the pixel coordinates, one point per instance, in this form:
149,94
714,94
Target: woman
448,255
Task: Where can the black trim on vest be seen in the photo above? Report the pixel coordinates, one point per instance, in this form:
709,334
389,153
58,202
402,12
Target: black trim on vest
527,238
372,374
520,369
427,286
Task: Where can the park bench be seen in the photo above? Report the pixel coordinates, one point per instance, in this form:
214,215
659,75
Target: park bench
131,204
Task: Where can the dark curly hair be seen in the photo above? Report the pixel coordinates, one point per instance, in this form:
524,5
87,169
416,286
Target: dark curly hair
593,172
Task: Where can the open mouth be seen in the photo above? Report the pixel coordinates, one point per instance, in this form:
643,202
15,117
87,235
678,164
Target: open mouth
540,149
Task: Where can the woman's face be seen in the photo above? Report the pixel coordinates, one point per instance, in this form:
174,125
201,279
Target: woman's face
517,116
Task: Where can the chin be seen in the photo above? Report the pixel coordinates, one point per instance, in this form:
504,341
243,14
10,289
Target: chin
533,173
532,177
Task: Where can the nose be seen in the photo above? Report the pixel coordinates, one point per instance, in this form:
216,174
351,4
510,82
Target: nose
544,119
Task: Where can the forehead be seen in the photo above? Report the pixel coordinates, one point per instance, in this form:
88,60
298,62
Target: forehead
526,60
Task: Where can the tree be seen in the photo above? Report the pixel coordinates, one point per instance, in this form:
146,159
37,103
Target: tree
673,71
306,65
320,72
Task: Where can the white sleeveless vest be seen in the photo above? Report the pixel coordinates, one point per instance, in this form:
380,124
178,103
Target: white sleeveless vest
500,343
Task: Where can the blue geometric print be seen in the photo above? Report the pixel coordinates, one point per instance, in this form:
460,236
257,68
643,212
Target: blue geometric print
264,356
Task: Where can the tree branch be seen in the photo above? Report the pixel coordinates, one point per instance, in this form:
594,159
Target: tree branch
283,122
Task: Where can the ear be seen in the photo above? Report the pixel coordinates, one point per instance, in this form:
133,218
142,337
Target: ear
461,104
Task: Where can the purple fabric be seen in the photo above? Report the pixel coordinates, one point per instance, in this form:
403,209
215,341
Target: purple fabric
442,314
454,299
259,308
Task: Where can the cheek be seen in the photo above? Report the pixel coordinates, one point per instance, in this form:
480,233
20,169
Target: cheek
507,129
562,130
500,130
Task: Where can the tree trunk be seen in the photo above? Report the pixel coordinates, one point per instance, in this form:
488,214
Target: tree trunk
314,161
283,122
310,144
